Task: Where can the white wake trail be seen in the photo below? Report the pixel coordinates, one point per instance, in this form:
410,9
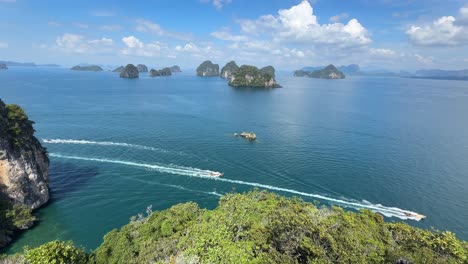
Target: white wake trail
99,143
207,174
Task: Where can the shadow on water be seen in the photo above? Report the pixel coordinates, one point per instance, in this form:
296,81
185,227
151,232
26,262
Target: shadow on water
66,178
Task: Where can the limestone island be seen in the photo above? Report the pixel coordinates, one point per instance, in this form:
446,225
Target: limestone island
251,76
87,68
24,172
329,72
208,69
129,72
119,69
163,72
175,68
3,66
229,69
142,68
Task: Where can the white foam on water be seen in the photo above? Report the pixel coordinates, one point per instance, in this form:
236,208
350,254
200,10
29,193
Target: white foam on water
99,143
207,174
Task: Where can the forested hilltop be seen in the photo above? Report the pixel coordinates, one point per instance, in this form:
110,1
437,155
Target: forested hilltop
260,227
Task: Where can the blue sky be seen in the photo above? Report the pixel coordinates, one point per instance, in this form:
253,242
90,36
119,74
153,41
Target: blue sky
288,34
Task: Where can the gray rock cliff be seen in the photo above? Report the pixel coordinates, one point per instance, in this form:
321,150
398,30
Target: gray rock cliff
24,164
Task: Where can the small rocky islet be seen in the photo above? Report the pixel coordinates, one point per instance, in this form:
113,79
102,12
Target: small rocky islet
208,69
3,66
329,72
142,68
163,72
130,72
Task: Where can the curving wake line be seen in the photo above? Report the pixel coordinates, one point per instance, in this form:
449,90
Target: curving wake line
100,143
194,172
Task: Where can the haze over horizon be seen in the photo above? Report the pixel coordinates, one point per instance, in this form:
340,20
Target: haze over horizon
396,35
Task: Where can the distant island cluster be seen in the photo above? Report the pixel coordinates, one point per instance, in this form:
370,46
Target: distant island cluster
208,69
243,76
131,71
329,72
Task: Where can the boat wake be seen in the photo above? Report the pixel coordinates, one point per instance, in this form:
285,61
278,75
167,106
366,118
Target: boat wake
100,143
207,174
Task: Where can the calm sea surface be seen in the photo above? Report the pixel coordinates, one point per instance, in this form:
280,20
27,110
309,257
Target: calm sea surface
390,144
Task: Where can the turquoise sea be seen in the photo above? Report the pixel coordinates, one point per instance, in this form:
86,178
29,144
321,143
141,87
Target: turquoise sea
116,146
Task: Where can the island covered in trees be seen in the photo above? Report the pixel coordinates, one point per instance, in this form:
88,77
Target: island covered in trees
329,72
87,68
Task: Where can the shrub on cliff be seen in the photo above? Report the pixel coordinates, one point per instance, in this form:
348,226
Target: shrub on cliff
56,252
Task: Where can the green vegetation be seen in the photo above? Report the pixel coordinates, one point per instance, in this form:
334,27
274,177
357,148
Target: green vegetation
251,76
19,126
56,252
12,217
87,68
261,227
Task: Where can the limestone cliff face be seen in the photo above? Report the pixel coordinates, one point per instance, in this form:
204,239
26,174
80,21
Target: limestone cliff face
24,164
229,70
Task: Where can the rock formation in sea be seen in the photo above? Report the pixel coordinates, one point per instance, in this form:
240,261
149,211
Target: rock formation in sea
329,72
86,68
119,69
129,72
3,66
154,73
229,69
251,76
175,68
142,68
24,164
163,72
208,69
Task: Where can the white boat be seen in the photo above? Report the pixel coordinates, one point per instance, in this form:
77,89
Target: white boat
216,174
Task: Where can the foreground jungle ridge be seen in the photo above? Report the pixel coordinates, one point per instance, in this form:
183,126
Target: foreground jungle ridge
258,227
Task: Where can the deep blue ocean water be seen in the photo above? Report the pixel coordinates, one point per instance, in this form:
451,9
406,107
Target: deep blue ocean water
119,145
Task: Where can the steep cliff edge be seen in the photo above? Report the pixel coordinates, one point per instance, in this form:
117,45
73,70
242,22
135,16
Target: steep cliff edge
24,164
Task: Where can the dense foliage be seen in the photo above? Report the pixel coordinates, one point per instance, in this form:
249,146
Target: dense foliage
261,227
56,252
19,127
251,76
12,217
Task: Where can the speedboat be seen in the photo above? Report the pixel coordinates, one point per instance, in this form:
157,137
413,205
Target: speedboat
416,215
216,174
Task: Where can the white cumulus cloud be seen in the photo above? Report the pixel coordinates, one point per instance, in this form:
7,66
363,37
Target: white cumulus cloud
339,17
298,24
137,48
78,44
444,31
